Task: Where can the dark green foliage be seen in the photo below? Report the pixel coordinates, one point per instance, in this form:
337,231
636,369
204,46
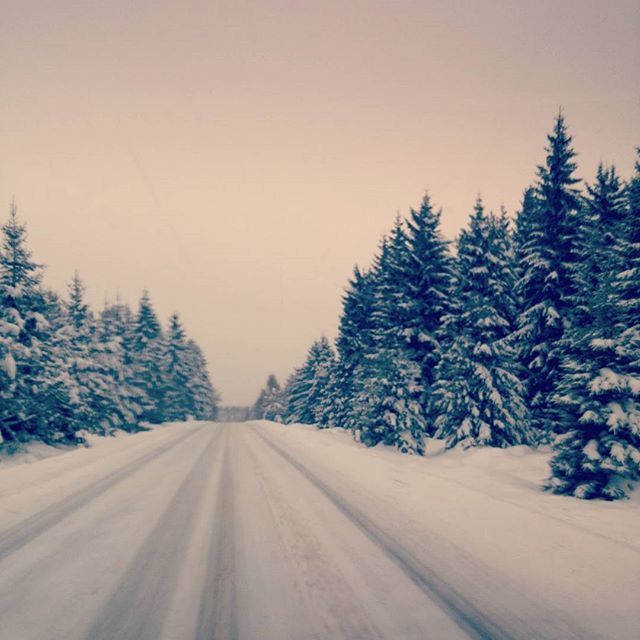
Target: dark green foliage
63,371
478,394
598,451
547,230
148,349
308,388
428,281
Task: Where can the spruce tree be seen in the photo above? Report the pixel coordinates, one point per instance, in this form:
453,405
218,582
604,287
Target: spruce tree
627,280
478,394
428,282
148,349
112,334
204,398
386,402
95,390
35,397
389,400
598,452
177,374
270,403
53,393
354,342
547,257
309,386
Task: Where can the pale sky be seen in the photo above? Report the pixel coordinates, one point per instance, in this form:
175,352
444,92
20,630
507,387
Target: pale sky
238,158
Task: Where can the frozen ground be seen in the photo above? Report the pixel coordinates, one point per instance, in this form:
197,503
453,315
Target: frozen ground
265,532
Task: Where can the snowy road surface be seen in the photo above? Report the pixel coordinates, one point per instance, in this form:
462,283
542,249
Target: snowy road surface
263,532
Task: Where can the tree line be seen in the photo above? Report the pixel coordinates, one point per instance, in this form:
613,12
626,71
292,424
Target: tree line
65,369
521,333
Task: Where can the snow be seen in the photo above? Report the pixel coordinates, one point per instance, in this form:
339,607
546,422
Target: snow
591,450
578,559
34,451
260,530
31,452
9,366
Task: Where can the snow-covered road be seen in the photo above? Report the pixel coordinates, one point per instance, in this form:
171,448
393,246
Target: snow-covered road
263,532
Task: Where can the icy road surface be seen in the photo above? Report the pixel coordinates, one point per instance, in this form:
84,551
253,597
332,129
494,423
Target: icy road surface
258,531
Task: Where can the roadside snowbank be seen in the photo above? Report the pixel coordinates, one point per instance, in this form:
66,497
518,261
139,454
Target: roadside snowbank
30,452
483,521
42,474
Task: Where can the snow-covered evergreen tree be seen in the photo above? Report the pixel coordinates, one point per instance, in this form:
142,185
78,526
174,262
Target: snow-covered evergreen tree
177,373
547,257
95,391
53,392
627,281
388,403
115,335
428,281
478,396
148,349
270,404
62,369
33,385
354,342
204,398
309,386
599,448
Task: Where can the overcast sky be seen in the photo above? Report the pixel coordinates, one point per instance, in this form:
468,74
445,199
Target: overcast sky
237,158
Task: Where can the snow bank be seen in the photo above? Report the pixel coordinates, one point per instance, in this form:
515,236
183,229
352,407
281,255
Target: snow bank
484,508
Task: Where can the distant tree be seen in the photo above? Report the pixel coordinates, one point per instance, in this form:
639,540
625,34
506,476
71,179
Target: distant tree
115,336
204,399
64,370
95,390
309,385
147,350
270,404
177,373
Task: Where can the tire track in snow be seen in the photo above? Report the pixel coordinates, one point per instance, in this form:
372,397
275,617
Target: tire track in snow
321,581
19,535
463,612
136,609
217,615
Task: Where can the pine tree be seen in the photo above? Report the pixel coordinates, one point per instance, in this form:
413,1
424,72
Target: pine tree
627,281
62,370
599,449
270,403
33,384
114,334
429,275
94,391
177,374
148,349
386,403
389,402
309,386
203,396
478,395
392,312
354,342
547,257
